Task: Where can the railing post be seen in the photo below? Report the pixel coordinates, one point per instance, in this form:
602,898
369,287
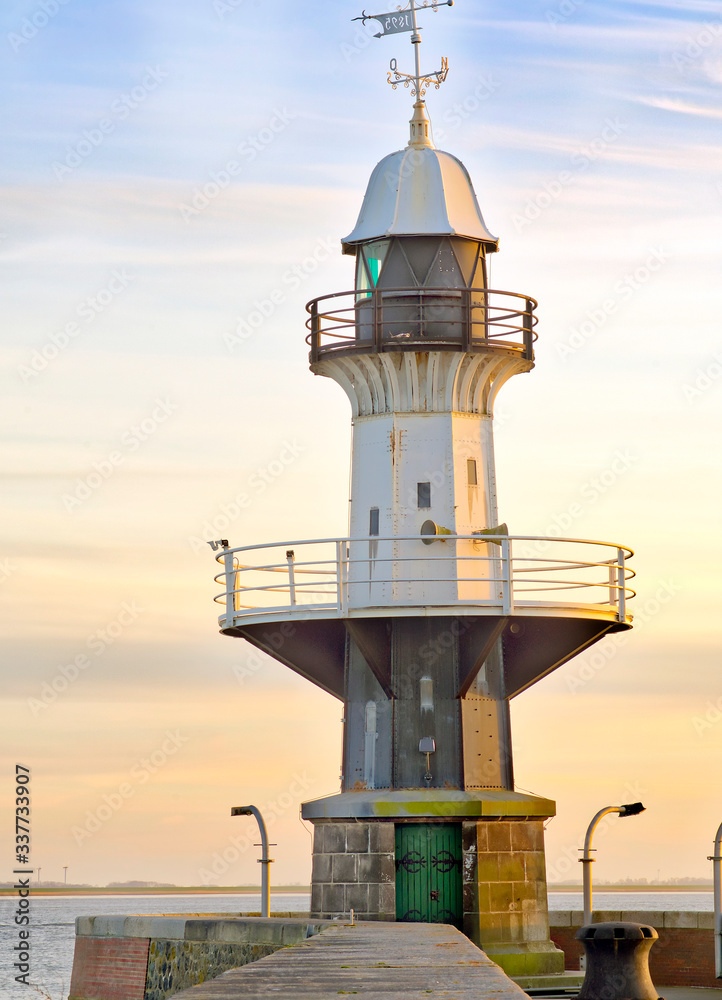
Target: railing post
236,585
230,569
291,578
341,566
315,331
466,337
621,586
612,582
528,341
507,586
378,320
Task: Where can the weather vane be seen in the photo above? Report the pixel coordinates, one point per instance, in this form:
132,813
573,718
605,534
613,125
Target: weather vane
404,19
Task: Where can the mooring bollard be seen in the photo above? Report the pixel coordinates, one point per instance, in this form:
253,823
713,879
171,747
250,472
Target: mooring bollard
617,957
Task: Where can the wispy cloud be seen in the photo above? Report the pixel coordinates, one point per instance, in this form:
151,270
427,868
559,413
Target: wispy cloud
678,106
658,155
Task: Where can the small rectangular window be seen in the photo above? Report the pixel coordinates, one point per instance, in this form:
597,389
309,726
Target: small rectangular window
471,471
423,493
374,521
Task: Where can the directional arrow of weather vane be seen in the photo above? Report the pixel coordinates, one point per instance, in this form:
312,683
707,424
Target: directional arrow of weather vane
404,19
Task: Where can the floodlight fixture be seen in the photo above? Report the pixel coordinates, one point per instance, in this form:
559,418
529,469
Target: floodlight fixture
630,809
716,860
264,859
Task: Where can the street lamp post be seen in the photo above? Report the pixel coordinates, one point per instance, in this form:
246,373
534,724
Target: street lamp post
716,860
632,809
264,859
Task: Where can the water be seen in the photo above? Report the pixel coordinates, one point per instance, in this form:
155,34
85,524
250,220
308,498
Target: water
52,930
698,901
53,924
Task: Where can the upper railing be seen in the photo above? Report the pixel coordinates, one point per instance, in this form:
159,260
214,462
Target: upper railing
340,577
392,319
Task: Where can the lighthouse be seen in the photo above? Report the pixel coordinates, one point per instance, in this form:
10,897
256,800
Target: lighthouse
431,615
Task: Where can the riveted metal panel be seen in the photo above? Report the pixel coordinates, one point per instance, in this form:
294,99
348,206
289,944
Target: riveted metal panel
426,648
367,754
429,873
480,725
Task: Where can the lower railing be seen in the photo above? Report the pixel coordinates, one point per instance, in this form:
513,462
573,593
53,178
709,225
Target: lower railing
336,577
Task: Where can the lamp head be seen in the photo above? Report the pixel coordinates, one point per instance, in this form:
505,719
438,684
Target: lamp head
631,809
241,811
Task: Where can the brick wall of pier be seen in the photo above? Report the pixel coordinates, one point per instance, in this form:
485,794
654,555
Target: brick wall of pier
683,955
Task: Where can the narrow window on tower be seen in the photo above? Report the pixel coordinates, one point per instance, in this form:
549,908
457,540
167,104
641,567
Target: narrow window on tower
374,521
423,493
471,471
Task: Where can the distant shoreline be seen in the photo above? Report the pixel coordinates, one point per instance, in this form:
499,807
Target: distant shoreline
195,890
192,890
632,888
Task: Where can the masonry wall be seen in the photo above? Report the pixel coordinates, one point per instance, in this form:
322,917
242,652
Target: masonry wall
354,869
505,895
683,955
151,958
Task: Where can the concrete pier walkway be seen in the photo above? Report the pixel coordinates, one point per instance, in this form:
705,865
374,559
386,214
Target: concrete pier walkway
379,961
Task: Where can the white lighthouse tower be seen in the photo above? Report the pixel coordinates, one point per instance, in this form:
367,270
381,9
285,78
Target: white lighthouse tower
430,616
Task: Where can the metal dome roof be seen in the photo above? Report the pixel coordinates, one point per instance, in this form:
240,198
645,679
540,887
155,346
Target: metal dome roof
419,191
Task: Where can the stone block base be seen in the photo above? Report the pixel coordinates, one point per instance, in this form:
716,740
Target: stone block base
353,869
505,895
537,958
502,875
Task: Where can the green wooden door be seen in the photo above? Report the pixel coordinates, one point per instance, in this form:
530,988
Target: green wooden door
428,873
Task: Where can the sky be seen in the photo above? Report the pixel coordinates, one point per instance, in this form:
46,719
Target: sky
175,182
